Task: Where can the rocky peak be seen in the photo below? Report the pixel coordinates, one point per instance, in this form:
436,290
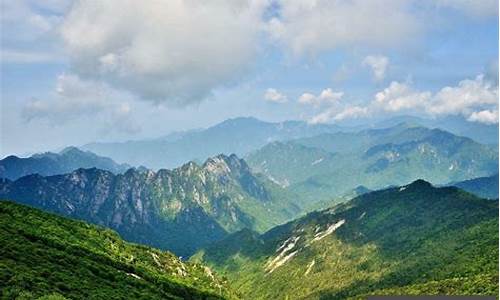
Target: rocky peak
217,165
225,165
419,184
188,169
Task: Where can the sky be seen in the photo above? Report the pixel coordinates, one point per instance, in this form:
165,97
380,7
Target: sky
74,72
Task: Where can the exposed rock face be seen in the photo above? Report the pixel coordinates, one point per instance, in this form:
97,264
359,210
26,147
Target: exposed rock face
179,210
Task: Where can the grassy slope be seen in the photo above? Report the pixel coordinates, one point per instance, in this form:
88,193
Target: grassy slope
417,240
42,254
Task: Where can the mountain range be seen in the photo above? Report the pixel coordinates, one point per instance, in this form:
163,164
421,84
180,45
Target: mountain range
412,239
246,134
310,212
44,256
49,163
180,210
484,187
238,136
332,164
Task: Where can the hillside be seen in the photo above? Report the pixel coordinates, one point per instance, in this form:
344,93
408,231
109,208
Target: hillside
179,210
43,254
330,165
46,164
410,239
485,187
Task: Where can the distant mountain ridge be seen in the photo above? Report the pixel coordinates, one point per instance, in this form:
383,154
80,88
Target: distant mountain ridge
411,239
179,210
332,164
484,187
245,134
238,136
458,125
49,163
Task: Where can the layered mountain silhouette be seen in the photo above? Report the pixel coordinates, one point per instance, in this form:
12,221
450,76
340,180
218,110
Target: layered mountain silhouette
246,134
331,164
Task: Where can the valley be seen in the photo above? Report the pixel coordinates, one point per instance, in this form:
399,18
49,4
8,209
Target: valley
249,150
402,209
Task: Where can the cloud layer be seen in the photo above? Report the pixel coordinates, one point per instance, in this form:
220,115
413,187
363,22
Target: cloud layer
75,98
172,52
475,99
310,27
327,96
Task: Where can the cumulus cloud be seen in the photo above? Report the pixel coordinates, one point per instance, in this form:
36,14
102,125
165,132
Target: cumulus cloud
465,97
310,27
272,95
378,65
171,52
76,98
475,99
484,116
327,96
399,96
307,98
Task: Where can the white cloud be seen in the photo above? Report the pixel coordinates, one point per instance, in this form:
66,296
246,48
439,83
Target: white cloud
76,98
72,97
484,116
462,99
307,98
324,117
378,65
399,96
352,112
310,27
476,99
174,52
272,95
327,96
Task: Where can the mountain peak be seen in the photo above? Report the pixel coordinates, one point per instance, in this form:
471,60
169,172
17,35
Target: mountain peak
419,184
239,121
222,164
189,167
71,149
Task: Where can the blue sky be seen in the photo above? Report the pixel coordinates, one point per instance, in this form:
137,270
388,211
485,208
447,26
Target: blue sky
74,72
